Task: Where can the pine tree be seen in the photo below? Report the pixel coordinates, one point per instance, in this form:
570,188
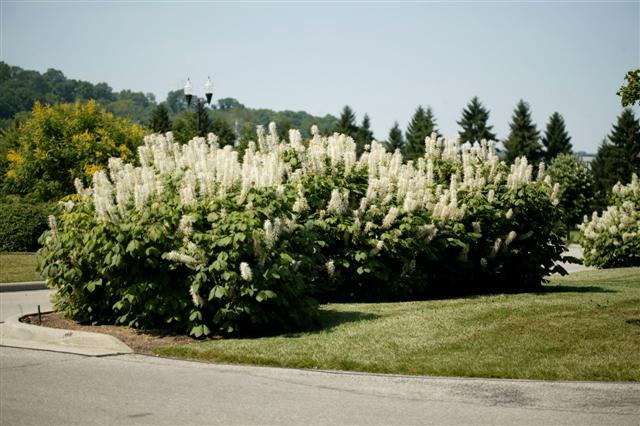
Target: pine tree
524,136
618,158
556,140
395,141
364,135
203,122
347,122
160,122
474,123
422,124
224,132
192,124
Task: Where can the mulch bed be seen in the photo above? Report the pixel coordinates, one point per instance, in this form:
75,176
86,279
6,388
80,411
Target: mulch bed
143,342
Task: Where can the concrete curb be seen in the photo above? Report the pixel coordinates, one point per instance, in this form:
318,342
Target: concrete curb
18,334
24,286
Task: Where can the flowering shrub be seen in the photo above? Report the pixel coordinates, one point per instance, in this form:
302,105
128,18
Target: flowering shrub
576,186
197,240
613,238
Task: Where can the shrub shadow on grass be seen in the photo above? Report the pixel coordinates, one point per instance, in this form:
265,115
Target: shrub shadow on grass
330,319
549,289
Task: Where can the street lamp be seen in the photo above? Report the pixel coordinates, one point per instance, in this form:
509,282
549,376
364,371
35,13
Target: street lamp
188,94
208,91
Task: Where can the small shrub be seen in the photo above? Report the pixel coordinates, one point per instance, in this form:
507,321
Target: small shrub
612,239
21,224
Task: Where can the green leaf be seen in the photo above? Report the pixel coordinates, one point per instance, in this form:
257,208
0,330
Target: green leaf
195,315
285,257
265,294
225,241
133,246
197,331
217,292
91,285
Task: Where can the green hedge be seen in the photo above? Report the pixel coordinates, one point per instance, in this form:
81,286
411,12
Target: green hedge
21,224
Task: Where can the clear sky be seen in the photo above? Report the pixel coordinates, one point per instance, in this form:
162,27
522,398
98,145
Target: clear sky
384,59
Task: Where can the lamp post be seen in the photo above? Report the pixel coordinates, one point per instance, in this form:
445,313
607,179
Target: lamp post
188,94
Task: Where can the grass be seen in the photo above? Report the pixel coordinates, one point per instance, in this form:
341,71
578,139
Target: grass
585,326
18,267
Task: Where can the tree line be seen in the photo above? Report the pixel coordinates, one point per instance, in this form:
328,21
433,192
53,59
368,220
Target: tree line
617,158
20,89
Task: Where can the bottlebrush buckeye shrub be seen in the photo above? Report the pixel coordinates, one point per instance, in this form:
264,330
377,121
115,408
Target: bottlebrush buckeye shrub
199,241
612,239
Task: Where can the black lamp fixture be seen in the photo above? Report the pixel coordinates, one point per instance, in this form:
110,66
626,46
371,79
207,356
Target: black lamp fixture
208,91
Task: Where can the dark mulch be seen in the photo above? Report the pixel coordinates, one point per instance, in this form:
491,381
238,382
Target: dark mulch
140,341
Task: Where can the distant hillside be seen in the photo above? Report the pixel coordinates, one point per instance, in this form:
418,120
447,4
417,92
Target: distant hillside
20,89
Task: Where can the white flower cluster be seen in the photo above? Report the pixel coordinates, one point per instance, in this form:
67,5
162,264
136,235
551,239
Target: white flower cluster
200,169
615,234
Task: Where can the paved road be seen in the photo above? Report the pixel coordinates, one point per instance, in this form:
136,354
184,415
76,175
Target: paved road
23,302
55,388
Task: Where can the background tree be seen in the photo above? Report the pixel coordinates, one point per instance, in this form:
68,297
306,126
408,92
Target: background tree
524,136
474,123
630,93
248,135
556,139
20,89
364,135
283,129
61,143
347,123
422,124
225,133
617,158
176,102
395,141
576,187
160,121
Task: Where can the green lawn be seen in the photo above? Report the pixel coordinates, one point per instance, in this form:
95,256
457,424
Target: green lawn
18,267
585,326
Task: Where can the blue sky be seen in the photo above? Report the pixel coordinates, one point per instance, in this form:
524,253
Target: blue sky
384,59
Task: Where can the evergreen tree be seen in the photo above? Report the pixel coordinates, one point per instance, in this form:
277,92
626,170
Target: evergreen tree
556,140
618,158
248,134
225,133
395,141
422,124
474,123
203,122
192,124
160,122
347,122
524,136
364,135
